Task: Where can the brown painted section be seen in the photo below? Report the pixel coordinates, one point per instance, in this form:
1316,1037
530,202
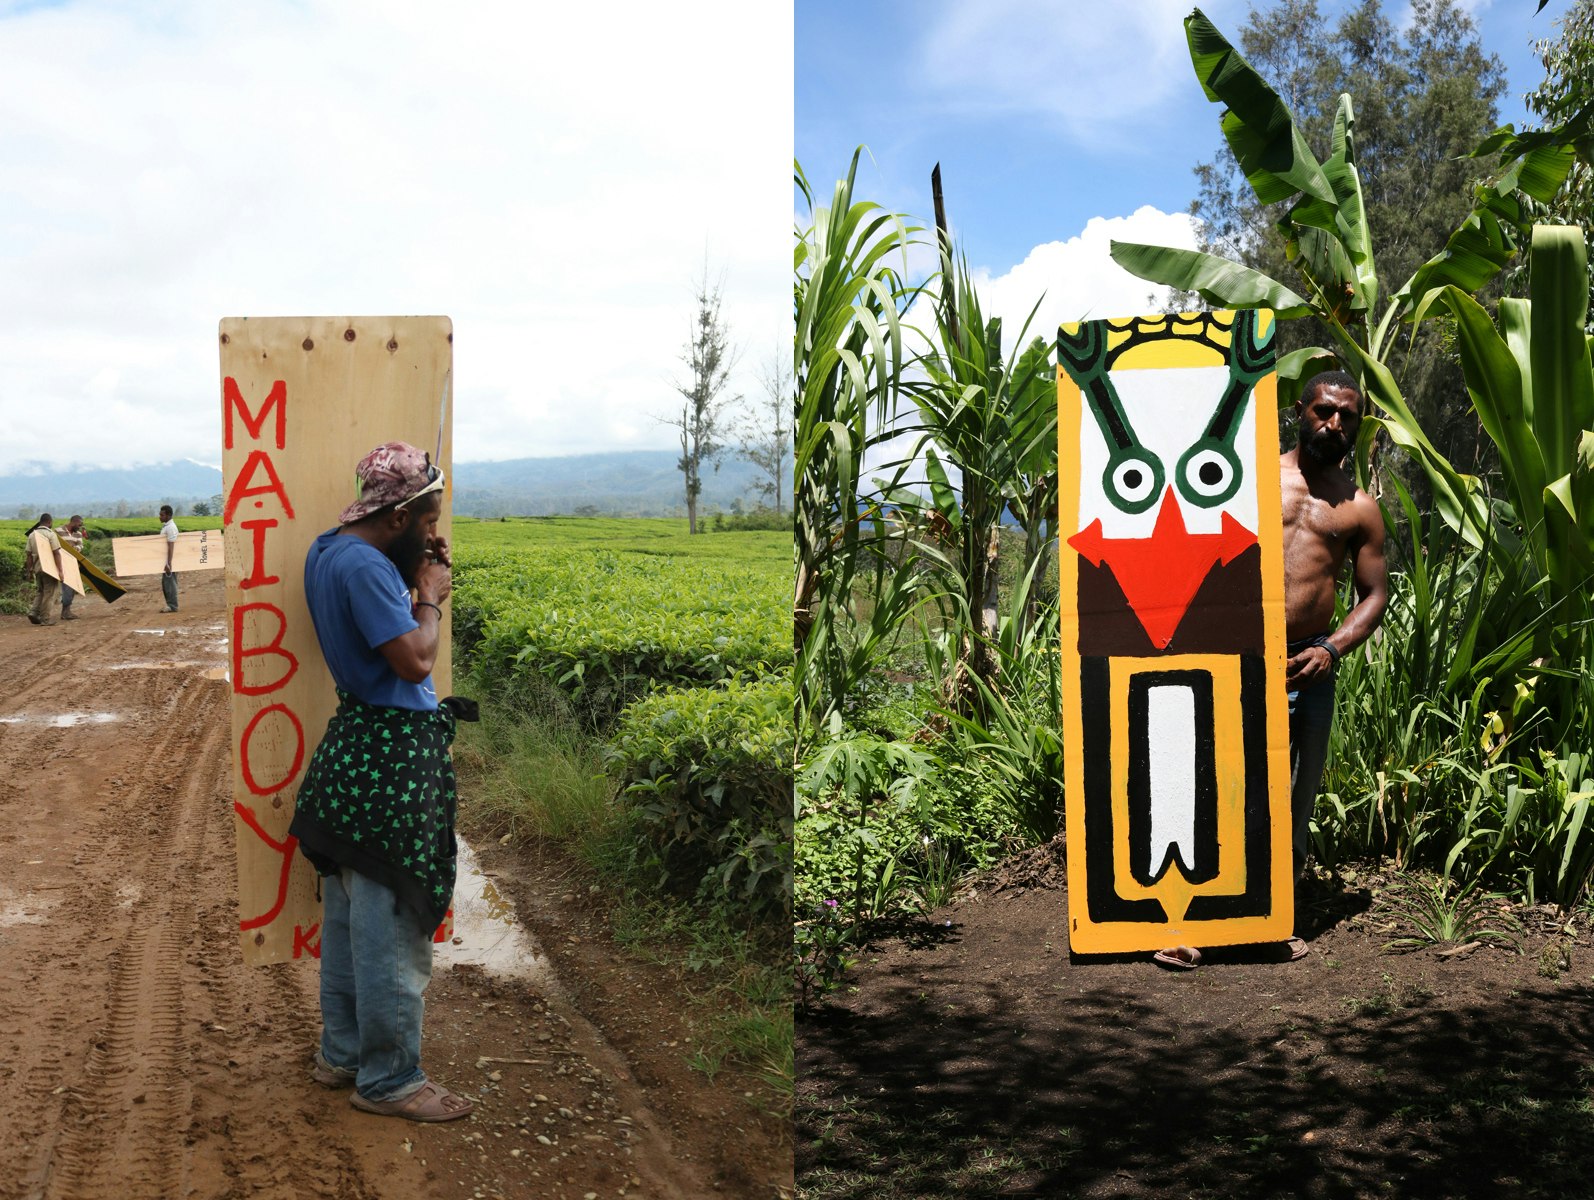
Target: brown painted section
1224,618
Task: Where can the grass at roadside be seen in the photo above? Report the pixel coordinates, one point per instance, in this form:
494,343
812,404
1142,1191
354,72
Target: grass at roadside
528,771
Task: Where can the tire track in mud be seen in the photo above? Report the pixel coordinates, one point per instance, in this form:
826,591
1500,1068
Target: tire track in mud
46,677
51,818
130,1108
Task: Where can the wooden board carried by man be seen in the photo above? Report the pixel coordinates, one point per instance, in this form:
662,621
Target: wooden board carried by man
303,401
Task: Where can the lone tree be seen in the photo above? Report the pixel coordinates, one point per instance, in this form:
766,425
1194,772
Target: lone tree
766,438
710,357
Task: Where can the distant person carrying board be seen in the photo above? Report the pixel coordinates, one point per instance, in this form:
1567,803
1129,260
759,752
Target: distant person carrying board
71,534
43,611
375,813
169,577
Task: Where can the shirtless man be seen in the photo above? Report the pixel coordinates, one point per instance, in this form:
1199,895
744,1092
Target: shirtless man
1327,519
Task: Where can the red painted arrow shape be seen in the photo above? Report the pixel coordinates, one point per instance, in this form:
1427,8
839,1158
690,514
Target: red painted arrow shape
1160,575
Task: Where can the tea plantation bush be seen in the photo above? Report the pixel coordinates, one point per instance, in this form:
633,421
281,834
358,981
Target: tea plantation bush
709,771
606,627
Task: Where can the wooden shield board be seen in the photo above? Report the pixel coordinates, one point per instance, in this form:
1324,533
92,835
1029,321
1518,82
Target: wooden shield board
45,553
1175,718
303,400
91,576
196,550
71,577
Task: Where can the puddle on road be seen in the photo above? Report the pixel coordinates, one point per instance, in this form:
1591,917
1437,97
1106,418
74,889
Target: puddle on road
489,937
156,632
61,720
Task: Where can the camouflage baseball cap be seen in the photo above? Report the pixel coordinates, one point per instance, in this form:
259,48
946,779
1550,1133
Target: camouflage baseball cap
392,474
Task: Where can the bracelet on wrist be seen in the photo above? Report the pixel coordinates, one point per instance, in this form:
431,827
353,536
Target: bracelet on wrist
430,605
1333,651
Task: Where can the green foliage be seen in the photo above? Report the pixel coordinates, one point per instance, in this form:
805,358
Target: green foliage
11,560
820,954
1456,746
607,621
533,770
848,359
1440,912
995,423
1532,386
1567,94
708,775
761,518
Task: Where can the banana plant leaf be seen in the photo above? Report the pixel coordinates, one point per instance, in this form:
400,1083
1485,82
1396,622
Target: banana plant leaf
1257,125
1219,282
1296,367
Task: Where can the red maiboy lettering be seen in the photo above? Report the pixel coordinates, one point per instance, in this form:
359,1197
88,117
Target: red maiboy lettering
241,651
240,491
250,782
257,557
232,398
301,941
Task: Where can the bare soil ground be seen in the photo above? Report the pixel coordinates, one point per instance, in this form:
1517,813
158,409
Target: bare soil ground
140,1058
973,1057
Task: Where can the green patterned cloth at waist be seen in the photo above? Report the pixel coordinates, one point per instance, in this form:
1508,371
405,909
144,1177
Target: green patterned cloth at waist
378,796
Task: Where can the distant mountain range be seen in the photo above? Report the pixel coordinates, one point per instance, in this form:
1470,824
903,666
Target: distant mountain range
629,483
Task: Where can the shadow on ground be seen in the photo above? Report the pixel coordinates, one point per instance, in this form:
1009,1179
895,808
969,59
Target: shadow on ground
992,1066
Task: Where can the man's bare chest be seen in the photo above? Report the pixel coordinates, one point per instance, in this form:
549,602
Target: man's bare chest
1329,523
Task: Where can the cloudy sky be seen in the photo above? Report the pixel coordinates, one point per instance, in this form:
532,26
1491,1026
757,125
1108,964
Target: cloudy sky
1056,133
550,177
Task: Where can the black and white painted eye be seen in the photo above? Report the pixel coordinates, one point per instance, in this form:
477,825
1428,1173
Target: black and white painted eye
1133,480
1209,473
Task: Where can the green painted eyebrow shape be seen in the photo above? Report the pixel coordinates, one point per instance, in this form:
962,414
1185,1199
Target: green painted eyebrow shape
1209,472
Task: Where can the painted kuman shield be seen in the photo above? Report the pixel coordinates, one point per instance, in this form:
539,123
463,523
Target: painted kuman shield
1172,593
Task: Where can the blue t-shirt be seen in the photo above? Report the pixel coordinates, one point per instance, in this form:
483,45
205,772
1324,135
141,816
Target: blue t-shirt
358,602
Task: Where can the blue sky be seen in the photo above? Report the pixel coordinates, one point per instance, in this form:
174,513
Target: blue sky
1053,130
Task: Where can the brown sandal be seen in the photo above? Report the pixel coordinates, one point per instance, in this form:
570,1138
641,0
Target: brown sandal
429,1102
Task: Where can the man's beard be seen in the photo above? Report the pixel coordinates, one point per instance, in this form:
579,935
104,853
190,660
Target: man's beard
1326,448
408,552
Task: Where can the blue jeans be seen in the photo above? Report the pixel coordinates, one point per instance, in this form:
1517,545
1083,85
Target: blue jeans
1311,719
376,960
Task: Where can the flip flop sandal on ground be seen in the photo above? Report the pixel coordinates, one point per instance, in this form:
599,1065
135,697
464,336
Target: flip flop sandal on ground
430,1102
1180,958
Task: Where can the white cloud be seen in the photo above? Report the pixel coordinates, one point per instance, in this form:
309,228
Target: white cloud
1094,73
1077,279
549,178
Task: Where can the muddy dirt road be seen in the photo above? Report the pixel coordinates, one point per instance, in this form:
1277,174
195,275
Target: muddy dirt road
140,1058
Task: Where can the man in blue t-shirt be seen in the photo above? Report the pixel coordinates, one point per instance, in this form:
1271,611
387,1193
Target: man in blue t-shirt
375,813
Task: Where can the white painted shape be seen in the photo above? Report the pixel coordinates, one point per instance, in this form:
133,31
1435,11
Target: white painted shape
1169,409
1171,738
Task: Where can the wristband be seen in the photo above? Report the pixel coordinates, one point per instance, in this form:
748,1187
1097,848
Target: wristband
1333,652
438,611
